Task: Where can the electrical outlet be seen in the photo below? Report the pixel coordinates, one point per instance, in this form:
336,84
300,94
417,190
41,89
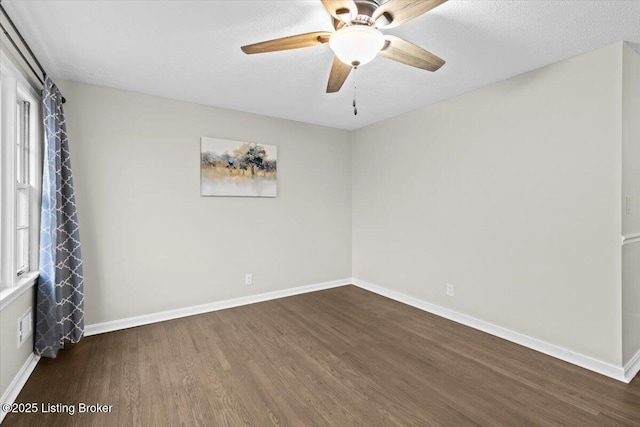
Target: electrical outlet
248,279
25,328
450,289
628,205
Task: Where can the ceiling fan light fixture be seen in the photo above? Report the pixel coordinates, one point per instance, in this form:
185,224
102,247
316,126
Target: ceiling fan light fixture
356,44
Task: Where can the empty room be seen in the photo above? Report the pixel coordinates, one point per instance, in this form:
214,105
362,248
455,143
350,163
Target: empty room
319,212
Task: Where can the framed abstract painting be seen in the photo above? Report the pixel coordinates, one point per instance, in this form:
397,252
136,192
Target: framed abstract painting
237,169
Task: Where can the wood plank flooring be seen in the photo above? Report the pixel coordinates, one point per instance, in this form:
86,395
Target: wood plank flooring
337,357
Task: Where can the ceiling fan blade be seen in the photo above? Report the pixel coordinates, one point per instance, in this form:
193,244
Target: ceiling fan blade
339,73
285,43
402,51
343,10
396,12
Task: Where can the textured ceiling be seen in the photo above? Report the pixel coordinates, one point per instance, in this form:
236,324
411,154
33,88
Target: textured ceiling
190,50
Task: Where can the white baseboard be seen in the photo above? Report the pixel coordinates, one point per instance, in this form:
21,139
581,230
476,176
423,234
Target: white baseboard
632,367
619,373
146,319
12,392
616,372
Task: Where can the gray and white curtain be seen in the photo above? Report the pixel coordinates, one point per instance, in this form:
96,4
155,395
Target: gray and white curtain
60,293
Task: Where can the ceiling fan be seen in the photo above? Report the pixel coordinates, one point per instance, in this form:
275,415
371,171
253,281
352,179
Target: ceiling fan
357,39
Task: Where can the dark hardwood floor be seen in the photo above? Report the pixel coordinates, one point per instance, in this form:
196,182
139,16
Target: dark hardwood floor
338,357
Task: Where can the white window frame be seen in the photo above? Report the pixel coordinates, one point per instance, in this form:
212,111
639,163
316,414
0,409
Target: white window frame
15,87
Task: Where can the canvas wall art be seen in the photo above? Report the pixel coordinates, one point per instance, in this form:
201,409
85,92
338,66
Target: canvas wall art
235,168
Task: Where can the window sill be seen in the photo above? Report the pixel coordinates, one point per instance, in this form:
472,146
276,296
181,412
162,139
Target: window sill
24,284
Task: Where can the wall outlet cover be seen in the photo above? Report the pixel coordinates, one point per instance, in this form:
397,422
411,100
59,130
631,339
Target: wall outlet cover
25,327
450,289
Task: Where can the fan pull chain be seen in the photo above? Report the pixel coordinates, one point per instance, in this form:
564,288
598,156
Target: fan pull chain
355,89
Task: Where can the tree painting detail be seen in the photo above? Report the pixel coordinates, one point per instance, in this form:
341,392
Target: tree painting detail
234,168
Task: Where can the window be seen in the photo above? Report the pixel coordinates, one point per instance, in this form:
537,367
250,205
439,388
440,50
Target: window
23,187
20,175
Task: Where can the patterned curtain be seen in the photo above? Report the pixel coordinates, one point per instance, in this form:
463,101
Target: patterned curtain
60,294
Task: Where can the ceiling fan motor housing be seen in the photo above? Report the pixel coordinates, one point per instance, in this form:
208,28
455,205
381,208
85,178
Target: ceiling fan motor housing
366,9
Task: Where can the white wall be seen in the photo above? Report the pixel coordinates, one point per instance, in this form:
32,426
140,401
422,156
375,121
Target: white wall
152,243
511,193
631,189
12,357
